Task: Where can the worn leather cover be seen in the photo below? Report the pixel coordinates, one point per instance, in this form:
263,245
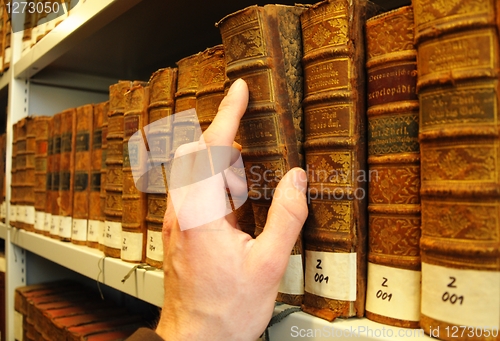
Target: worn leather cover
133,200
99,329
393,152
42,133
162,84
263,46
21,172
114,174
335,150
66,172
104,171
28,186
83,164
95,215
55,157
459,93
14,178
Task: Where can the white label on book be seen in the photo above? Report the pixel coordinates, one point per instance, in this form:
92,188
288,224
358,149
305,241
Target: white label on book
13,213
39,220
93,231
47,222
393,292
79,231
102,228
55,222
112,234
154,249
65,227
29,215
21,214
461,297
331,275
18,326
131,246
293,281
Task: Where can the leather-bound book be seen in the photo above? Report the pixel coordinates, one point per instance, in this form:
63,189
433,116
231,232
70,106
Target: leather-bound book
114,174
81,333
48,182
393,289
263,47
211,78
55,218
162,86
67,173
104,169
3,155
29,185
7,49
41,154
94,226
14,179
134,228
335,233
458,62
82,173
21,187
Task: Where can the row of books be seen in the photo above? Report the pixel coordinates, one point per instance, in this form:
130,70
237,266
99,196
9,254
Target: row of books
5,35
392,115
41,17
65,310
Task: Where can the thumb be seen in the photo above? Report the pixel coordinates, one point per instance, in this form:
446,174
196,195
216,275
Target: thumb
286,216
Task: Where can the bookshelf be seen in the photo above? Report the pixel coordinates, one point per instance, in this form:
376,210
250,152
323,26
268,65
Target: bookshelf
101,42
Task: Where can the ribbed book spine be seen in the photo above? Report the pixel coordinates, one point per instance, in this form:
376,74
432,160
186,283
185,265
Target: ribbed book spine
55,220
82,173
162,86
41,157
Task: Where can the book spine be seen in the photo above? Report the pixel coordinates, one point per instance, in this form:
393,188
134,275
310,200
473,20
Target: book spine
41,155
13,184
104,169
48,183
67,173
94,225
335,232
211,79
3,204
162,85
393,284
458,62
29,194
22,185
114,174
82,173
134,229
55,219
257,49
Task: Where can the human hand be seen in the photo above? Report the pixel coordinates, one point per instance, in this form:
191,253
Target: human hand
220,283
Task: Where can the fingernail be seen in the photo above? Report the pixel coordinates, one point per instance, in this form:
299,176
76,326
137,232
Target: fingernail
300,180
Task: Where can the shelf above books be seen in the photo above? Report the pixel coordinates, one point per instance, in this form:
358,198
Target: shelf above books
86,19
145,285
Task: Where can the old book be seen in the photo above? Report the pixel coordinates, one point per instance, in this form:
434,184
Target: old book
82,173
7,49
14,179
21,172
162,85
458,62
48,189
29,189
134,228
335,233
55,216
41,154
263,46
67,173
393,285
82,332
3,159
104,169
95,215
114,173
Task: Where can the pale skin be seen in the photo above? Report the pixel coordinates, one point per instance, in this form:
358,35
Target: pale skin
220,283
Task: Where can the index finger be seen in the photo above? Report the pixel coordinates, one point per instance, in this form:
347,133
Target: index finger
223,128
